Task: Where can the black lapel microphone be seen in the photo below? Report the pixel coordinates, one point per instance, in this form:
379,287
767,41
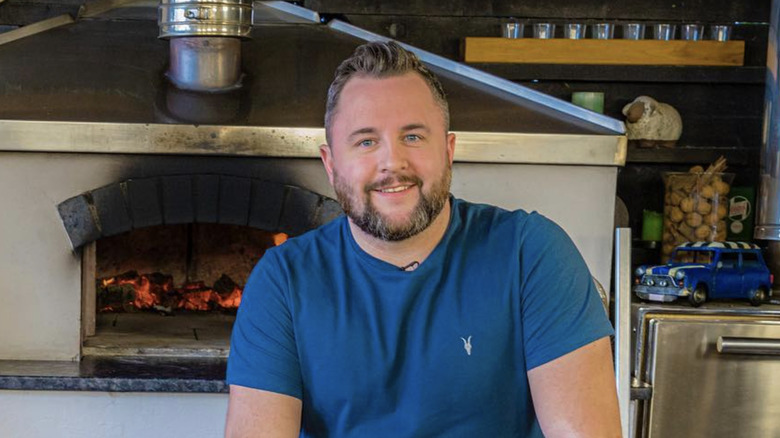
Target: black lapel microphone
411,266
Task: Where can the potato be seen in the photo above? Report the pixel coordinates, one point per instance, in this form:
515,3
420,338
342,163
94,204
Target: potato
686,205
686,231
693,220
696,169
721,187
703,232
708,192
703,207
676,215
676,196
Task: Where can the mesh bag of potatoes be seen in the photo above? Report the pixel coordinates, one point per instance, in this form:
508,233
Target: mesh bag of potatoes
695,206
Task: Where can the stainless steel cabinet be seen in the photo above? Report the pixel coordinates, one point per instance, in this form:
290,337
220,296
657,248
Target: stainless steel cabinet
714,372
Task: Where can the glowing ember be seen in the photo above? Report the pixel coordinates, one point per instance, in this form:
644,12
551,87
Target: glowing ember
279,238
232,300
198,300
130,291
145,298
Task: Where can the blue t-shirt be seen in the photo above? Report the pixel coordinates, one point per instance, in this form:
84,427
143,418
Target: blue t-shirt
374,351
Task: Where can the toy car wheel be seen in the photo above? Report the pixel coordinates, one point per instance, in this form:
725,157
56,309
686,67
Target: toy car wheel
758,296
698,296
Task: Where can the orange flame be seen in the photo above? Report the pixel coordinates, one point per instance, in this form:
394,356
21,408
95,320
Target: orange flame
145,296
197,300
280,238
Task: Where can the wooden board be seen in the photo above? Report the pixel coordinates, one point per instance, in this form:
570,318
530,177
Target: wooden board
616,52
88,294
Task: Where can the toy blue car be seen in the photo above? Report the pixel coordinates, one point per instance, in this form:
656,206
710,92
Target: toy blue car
707,270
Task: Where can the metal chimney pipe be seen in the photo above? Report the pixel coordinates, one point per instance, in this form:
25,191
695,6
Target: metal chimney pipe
205,63
205,40
768,217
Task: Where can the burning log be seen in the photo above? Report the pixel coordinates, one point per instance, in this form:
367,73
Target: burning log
229,292
196,296
116,298
130,292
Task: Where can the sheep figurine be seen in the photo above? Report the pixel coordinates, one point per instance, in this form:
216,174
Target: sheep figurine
652,123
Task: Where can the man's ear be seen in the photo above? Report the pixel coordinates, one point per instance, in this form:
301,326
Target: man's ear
326,154
450,147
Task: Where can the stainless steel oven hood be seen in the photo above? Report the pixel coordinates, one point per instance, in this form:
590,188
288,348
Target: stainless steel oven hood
99,86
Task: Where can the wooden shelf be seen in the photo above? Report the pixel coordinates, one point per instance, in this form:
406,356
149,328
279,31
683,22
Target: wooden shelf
627,73
692,155
612,52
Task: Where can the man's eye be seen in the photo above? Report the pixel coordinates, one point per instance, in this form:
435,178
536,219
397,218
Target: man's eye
412,137
366,143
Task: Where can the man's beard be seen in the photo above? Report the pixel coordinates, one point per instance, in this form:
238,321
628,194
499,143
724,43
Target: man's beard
375,224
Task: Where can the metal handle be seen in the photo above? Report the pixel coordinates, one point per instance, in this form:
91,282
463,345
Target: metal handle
762,346
623,323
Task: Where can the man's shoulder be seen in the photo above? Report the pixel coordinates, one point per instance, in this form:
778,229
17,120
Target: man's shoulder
478,215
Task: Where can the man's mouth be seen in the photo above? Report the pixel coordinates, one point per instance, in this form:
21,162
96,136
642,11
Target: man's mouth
395,189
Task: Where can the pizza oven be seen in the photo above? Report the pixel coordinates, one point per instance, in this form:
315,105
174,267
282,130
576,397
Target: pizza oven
164,258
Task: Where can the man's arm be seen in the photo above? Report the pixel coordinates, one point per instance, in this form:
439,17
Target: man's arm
262,414
575,396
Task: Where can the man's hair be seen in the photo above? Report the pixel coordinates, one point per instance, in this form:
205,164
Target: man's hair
381,60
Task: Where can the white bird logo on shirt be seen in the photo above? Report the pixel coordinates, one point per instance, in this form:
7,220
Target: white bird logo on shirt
467,345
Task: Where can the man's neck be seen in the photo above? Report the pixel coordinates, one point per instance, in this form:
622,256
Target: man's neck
405,252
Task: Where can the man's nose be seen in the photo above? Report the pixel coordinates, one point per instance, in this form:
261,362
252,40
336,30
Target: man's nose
394,156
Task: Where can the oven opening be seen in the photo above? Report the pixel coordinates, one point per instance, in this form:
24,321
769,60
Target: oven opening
168,290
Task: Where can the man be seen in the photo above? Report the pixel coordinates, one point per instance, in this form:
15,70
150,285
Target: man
417,314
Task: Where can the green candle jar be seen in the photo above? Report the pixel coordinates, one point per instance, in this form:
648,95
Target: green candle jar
652,225
591,100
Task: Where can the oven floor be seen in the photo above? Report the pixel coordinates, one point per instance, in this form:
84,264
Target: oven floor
148,334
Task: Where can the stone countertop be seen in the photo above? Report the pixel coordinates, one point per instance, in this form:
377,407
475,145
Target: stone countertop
117,374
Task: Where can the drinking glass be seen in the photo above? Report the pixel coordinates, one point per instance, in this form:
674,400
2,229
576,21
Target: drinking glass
634,31
544,30
664,31
575,31
512,29
603,31
692,32
720,32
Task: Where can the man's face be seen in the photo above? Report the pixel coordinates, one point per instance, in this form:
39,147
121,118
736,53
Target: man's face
390,159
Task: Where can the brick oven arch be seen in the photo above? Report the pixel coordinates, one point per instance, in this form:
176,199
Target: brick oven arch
195,198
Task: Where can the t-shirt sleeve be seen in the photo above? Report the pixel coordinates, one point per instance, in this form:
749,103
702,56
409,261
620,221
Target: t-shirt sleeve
263,353
561,308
